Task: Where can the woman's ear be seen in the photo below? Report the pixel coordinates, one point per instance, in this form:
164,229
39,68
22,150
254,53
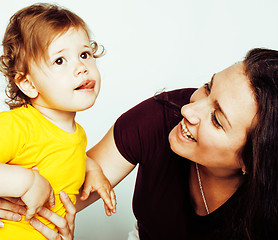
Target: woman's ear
26,85
244,171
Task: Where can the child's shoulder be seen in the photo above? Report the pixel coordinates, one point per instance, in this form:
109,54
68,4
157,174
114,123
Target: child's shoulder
22,112
18,116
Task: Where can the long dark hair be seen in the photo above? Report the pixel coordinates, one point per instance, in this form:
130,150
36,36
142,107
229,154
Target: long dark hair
259,203
255,216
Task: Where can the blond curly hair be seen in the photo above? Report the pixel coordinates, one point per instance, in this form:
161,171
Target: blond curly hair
28,35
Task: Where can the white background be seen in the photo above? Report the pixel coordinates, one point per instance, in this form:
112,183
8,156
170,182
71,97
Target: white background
151,45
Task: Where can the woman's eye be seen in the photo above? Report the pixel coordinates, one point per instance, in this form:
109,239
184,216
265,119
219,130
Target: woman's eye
85,55
59,61
207,87
215,121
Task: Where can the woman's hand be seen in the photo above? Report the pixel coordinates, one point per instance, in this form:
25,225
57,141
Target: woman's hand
11,209
65,225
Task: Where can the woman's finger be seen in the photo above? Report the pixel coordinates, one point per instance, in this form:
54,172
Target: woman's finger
14,200
10,210
70,209
4,214
44,230
57,220
53,217
12,207
64,225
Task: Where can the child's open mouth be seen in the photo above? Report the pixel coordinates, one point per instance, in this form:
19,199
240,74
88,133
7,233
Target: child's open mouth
87,84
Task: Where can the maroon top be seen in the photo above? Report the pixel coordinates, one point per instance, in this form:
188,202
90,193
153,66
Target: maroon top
161,201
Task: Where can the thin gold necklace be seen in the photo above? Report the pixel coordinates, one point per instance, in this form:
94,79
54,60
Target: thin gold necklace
201,187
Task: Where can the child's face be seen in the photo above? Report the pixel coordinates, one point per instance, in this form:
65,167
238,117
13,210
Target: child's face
70,80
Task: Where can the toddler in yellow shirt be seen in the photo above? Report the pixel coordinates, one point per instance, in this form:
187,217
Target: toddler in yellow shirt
49,62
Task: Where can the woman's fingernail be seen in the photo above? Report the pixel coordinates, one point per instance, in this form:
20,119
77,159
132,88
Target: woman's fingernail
22,211
16,217
34,222
63,194
1,224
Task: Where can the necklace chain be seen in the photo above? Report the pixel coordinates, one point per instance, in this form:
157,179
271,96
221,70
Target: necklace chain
201,188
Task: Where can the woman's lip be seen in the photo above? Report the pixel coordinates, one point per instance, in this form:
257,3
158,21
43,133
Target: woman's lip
183,135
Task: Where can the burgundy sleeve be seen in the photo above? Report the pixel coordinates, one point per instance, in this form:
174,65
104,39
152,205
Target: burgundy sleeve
136,127
139,131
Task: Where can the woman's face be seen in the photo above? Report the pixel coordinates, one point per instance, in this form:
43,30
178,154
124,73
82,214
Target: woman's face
216,122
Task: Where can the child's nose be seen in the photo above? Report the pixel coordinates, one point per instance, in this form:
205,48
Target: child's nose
80,68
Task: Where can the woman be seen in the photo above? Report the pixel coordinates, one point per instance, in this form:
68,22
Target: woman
210,172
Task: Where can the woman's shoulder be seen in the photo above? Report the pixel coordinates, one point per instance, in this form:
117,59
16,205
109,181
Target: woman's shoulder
158,106
177,97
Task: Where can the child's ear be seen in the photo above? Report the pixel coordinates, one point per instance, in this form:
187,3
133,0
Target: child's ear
26,85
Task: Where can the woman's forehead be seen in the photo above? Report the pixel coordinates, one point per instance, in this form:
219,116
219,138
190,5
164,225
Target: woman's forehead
231,88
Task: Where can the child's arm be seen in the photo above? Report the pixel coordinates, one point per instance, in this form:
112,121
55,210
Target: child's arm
29,185
96,181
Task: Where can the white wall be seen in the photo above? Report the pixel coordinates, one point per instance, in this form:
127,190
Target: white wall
155,44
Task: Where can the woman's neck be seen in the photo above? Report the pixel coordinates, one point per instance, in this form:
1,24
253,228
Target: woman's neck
62,119
217,188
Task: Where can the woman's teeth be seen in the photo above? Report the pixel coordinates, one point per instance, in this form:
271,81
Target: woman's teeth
185,131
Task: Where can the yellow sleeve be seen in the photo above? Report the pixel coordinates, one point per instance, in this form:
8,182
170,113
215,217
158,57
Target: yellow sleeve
11,137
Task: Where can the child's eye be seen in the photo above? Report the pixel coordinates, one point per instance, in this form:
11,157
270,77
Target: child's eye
215,121
59,61
85,55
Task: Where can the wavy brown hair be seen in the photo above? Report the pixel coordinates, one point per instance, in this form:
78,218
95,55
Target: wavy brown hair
28,35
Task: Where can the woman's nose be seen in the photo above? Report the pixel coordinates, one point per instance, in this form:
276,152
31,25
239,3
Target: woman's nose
193,112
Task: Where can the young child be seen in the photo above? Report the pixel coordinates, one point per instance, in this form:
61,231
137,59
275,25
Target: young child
49,62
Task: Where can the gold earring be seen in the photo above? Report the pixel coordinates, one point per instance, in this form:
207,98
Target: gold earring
243,172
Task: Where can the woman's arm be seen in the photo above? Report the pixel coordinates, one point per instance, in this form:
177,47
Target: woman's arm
114,166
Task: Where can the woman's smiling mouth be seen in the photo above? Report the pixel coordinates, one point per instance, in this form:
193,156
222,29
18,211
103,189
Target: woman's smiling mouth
186,133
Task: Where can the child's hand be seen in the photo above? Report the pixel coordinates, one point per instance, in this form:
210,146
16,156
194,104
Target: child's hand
96,181
38,194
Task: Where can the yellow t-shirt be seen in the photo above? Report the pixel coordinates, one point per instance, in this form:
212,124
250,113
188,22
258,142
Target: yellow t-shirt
28,139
